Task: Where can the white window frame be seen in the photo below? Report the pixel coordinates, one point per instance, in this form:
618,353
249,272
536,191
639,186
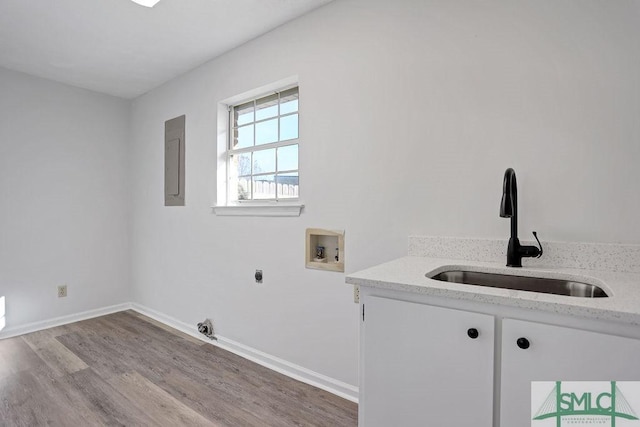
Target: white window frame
260,207
262,147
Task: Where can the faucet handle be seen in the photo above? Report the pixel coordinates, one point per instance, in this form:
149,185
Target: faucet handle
535,234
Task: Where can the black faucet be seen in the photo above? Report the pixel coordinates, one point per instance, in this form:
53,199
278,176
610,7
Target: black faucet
509,209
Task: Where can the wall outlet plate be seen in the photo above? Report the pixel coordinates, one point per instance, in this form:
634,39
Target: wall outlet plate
356,294
62,291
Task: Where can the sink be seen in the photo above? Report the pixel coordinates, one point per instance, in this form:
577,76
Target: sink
521,283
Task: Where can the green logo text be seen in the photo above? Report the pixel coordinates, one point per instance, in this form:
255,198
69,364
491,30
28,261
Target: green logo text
610,403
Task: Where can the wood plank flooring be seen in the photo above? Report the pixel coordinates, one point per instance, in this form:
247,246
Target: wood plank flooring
125,369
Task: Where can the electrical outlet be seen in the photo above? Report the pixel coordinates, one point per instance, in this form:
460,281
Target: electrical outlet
356,294
62,291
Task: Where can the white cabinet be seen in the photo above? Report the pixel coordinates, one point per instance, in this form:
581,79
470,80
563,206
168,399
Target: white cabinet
420,367
558,354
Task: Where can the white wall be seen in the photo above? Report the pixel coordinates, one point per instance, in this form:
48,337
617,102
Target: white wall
64,199
410,113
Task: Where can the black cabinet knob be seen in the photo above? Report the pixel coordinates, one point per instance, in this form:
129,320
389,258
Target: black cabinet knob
473,333
523,343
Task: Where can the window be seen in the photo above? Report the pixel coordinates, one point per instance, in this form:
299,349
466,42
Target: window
262,152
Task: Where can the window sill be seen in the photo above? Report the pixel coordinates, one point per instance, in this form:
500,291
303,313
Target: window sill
271,209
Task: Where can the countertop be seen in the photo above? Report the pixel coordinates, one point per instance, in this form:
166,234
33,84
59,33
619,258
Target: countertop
408,274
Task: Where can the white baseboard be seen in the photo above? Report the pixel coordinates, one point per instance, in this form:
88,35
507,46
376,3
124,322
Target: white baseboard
62,320
289,369
282,366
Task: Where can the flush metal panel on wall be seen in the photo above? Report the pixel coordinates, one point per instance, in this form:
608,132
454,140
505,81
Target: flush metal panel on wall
174,161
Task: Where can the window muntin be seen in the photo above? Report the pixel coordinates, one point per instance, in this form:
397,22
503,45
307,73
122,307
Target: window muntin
262,159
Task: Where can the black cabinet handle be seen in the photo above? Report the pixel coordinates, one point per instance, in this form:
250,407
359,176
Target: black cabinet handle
473,333
523,343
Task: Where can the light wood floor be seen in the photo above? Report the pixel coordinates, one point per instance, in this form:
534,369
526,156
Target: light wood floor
126,369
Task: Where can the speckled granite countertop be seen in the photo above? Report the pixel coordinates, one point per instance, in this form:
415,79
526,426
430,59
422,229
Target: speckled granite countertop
408,274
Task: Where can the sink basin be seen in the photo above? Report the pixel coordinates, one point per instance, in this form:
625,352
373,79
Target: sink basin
521,283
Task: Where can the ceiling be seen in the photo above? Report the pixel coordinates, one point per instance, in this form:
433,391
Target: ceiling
124,49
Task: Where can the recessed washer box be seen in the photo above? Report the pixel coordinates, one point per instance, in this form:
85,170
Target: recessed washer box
324,249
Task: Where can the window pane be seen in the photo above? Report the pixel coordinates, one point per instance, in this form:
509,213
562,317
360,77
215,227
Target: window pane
242,163
289,107
267,132
244,188
264,187
289,127
267,107
287,185
264,161
267,113
289,101
288,158
243,114
244,137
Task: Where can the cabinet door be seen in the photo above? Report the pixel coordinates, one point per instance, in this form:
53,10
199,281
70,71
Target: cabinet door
420,367
558,354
